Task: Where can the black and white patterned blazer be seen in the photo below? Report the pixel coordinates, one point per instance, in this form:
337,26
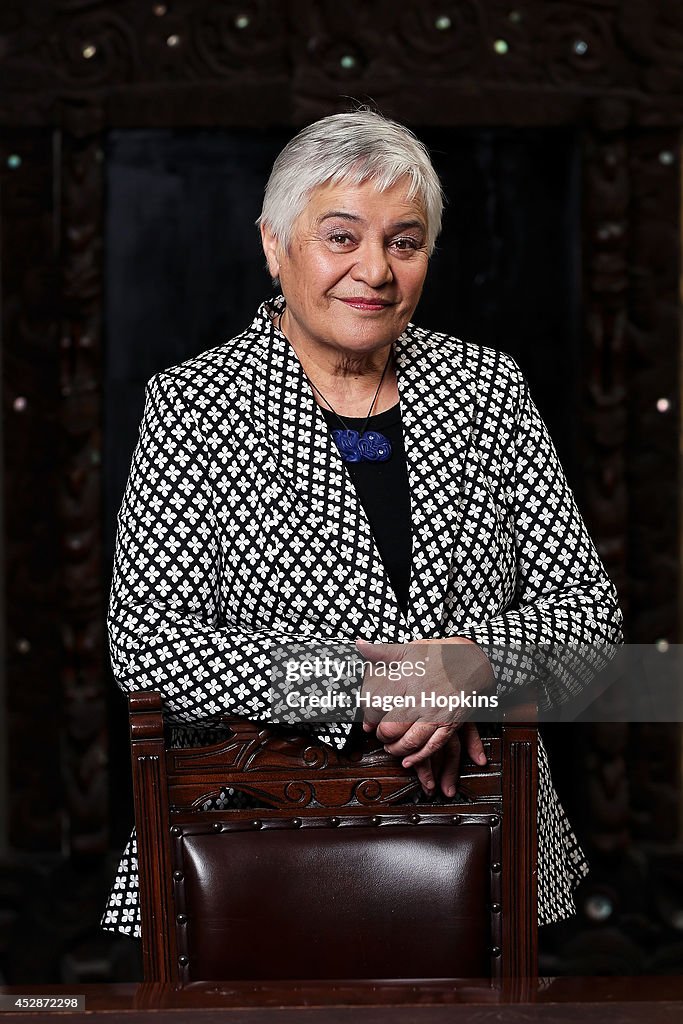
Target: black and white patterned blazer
240,529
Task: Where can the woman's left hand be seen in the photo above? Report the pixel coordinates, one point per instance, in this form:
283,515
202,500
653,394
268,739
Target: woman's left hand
443,768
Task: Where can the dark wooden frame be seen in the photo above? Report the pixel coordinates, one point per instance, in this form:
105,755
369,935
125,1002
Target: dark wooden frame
308,784
70,70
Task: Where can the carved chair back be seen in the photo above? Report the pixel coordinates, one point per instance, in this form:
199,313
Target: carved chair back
340,874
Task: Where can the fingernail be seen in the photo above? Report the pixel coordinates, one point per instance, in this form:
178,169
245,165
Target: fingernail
481,758
450,791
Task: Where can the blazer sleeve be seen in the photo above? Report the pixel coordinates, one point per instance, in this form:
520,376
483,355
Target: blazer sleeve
564,599
164,623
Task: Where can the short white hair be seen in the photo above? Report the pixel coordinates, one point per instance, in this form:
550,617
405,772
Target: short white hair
353,147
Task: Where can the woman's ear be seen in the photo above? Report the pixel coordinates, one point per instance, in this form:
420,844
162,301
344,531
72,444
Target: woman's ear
271,248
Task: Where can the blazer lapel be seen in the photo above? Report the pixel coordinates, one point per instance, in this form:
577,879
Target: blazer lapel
437,424
296,431
438,402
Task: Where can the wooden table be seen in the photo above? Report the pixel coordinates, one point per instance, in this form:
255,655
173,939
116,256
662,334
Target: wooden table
655,1000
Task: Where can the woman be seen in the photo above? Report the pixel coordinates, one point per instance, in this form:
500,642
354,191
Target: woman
337,477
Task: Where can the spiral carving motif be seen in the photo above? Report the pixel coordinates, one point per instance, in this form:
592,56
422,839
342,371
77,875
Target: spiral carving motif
300,793
369,791
315,757
449,36
308,55
236,35
579,46
97,48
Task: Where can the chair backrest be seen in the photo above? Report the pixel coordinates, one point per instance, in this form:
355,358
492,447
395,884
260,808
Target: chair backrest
340,874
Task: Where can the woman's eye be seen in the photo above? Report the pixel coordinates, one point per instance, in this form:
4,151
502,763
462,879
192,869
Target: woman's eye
340,238
404,244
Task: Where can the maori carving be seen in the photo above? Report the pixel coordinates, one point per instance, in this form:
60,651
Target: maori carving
93,48
449,36
606,200
653,36
606,241
654,345
83,675
57,49
605,212
234,35
654,339
580,44
72,69
631,249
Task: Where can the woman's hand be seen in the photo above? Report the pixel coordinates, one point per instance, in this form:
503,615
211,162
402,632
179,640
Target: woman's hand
428,738
444,767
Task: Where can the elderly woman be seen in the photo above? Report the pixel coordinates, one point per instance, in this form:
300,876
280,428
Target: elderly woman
336,476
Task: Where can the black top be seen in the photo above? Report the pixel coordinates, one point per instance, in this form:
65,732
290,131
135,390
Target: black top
383,490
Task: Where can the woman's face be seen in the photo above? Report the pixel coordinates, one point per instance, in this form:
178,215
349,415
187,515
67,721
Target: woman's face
355,267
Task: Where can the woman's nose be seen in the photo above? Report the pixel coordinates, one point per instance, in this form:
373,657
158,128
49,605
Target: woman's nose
372,266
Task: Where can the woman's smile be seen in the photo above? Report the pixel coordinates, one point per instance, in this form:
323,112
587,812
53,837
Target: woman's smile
367,305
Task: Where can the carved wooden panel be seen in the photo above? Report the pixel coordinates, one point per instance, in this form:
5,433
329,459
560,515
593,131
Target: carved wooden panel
178,63
72,69
606,198
293,773
80,381
653,353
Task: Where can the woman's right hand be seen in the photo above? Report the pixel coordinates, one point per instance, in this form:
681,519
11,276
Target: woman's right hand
443,768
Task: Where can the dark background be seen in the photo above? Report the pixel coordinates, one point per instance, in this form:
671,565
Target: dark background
134,144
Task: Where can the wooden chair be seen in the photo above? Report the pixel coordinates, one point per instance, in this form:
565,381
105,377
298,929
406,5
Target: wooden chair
341,875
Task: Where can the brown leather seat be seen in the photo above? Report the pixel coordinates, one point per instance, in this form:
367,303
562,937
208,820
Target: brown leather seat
342,875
